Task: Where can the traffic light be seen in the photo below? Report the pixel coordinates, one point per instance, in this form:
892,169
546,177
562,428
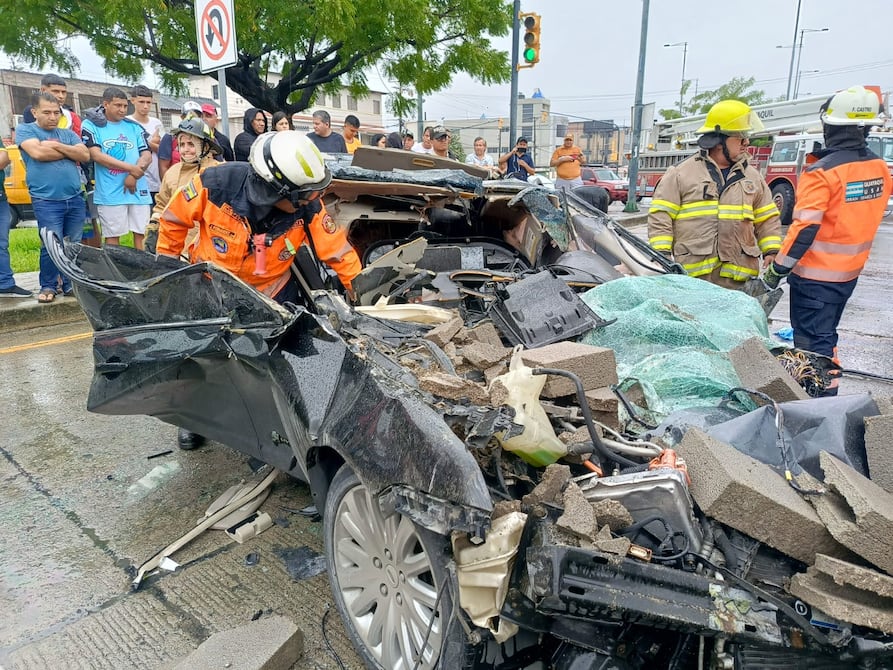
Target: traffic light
531,49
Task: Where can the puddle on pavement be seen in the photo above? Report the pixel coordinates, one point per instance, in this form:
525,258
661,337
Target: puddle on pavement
302,562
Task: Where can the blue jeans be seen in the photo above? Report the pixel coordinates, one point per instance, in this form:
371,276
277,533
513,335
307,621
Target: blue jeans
66,219
6,280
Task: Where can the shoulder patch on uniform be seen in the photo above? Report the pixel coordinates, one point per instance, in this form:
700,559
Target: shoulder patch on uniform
869,189
189,191
749,186
328,224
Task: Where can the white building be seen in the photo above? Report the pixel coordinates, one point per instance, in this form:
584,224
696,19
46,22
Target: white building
544,131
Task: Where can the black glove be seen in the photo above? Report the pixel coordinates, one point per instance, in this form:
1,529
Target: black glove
773,276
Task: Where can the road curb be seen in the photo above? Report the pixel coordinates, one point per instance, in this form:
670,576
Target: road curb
30,314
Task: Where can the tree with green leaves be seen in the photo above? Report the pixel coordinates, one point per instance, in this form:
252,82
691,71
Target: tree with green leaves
316,46
737,88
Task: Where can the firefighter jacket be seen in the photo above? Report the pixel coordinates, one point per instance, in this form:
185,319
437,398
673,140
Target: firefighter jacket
708,222
233,231
841,200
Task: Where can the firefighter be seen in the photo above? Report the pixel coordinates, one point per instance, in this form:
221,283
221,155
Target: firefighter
254,216
840,202
713,213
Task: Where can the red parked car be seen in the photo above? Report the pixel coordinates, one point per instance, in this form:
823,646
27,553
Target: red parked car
597,175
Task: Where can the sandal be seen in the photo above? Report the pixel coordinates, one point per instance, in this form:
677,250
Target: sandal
46,295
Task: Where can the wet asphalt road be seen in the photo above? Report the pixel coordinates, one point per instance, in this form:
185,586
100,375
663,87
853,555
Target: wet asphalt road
81,501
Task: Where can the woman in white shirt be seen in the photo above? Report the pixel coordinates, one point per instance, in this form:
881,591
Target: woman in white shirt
481,158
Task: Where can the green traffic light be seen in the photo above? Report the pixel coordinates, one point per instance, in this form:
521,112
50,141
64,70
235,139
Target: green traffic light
530,54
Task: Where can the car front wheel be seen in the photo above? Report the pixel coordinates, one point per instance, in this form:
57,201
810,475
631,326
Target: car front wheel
389,580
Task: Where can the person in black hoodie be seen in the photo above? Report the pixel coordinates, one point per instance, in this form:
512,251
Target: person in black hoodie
255,124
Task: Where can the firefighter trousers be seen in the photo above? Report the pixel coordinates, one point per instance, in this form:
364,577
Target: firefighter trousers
815,324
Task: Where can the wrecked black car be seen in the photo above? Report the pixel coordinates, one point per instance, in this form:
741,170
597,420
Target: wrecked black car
492,494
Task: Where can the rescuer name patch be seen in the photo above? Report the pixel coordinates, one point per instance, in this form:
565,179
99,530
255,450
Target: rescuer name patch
864,190
189,191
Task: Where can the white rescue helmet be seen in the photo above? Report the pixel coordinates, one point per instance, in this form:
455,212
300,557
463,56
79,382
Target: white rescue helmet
854,106
289,162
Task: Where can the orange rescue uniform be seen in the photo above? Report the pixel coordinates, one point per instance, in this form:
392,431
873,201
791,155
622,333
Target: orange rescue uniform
217,201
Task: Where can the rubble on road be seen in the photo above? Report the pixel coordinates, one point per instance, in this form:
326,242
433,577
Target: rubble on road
759,370
878,442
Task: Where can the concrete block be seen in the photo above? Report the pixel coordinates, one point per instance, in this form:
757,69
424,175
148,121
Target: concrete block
484,332
444,332
549,490
884,403
860,516
613,514
578,517
751,497
494,371
453,388
596,366
483,355
843,602
272,643
602,400
879,449
758,369
848,574
607,543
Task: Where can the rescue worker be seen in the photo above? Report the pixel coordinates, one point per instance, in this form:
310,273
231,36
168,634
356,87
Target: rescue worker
714,213
253,217
840,202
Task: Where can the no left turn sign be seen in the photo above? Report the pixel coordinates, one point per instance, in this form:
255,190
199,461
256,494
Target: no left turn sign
216,33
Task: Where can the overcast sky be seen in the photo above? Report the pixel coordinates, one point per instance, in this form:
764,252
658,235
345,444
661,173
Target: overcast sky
590,53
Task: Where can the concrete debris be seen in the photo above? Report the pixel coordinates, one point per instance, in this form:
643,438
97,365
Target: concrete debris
758,369
444,332
453,388
859,513
602,400
483,332
272,643
494,371
550,488
604,541
751,497
846,603
578,517
612,513
579,435
884,404
596,366
878,440
483,355
504,507
848,574
499,394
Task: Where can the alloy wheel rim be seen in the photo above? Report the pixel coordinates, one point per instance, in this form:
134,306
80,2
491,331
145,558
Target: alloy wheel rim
386,581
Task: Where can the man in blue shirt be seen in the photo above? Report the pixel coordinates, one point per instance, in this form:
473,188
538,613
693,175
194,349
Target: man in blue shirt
517,163
51,156
120,151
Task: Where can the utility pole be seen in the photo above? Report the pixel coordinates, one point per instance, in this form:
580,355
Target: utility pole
793,42
421,114
513,103
631,204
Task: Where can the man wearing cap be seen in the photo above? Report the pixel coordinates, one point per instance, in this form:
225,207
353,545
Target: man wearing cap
567,161
351,133
713,213
517,163
440,142
209,116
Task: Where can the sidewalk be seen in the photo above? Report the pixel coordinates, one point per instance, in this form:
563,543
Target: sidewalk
21,313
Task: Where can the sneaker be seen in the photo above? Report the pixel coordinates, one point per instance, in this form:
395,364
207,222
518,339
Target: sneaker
15,291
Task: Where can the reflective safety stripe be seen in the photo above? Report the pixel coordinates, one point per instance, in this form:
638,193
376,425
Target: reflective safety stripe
664,206
701,208
809,215
702,268
735,212
765,213
785,261
820,274
770,243
737,272
843,249
661,242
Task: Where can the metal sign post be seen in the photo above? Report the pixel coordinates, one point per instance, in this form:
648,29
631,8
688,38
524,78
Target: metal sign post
215,27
